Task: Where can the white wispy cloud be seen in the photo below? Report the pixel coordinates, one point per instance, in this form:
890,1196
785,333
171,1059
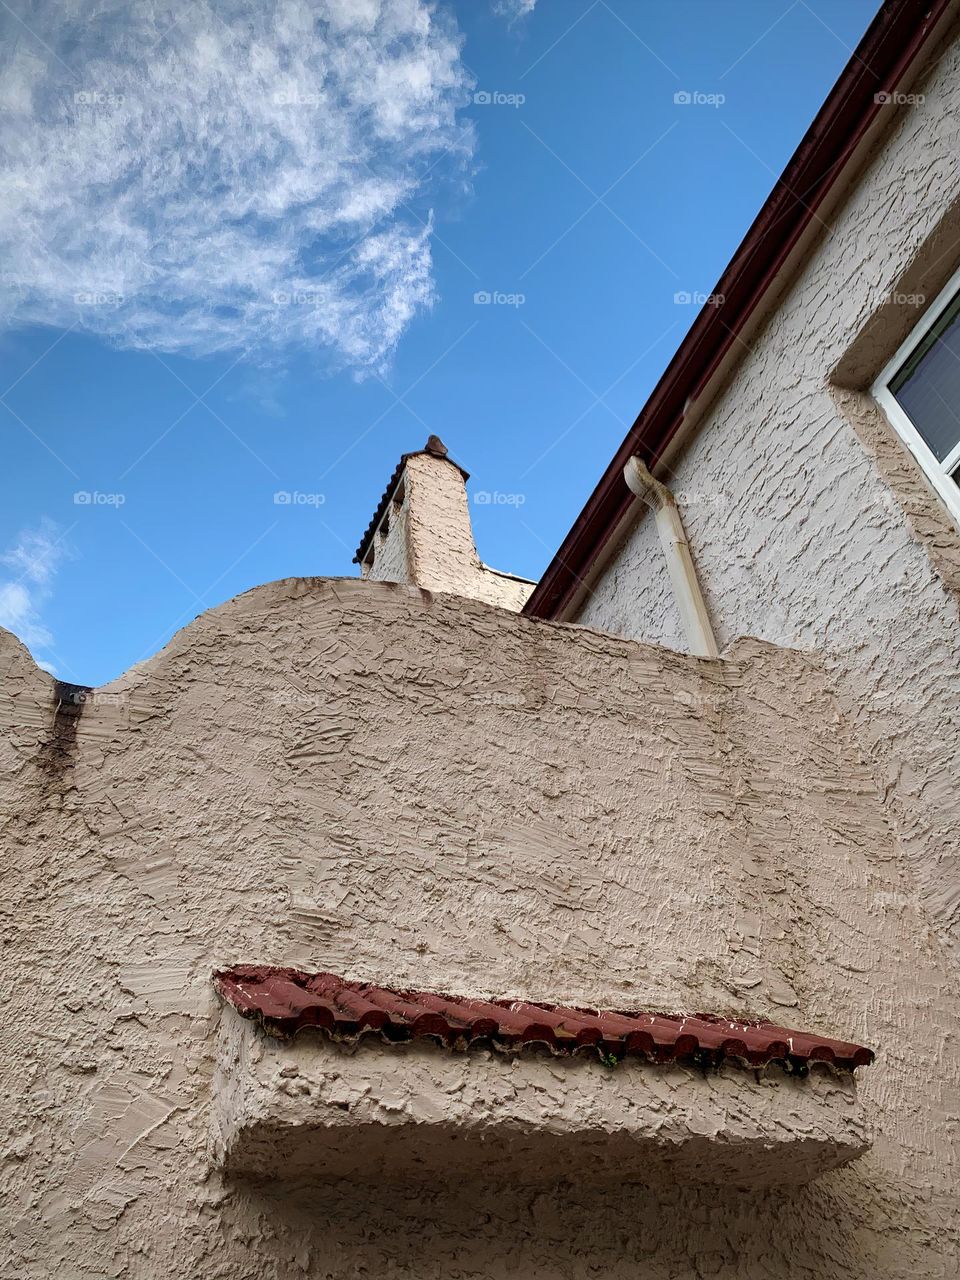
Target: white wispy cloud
249,175
31,562
514,10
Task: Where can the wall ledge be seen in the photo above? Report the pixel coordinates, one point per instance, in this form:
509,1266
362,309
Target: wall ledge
313,1108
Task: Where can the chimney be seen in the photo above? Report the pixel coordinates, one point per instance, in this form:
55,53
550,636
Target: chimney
421,533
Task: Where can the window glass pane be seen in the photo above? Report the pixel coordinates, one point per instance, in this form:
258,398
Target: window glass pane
928,385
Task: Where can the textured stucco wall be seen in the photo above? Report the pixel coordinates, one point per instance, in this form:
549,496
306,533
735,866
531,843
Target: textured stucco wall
429,540
433,793
809,523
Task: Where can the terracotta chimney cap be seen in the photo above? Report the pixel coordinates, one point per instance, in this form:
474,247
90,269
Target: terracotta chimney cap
435,446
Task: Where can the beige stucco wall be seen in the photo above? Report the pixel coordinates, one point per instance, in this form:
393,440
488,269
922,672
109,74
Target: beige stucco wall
434,793
809,524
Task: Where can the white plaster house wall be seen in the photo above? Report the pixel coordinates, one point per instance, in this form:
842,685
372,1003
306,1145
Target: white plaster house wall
809,523
430,792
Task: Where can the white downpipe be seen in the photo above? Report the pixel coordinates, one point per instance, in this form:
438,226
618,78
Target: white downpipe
683,576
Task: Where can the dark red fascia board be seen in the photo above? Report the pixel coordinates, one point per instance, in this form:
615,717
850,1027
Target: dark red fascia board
892,43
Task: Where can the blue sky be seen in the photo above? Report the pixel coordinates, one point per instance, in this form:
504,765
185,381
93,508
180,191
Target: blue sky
243,253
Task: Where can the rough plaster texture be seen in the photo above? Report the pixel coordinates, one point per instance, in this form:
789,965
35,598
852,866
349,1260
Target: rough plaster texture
809,522
314,1107
428,539
433,793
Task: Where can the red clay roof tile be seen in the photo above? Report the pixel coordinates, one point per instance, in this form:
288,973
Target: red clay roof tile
286,1000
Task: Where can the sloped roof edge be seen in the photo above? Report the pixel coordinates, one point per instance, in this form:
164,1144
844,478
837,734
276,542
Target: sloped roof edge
287,1000
895,39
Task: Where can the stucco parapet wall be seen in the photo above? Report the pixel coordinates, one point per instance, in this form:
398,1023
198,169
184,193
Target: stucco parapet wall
313,1108
605,794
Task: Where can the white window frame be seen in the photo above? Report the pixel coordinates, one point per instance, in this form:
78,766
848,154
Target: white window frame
938,473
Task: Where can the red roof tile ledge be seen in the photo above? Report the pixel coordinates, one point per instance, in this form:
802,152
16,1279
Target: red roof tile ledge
285,1001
